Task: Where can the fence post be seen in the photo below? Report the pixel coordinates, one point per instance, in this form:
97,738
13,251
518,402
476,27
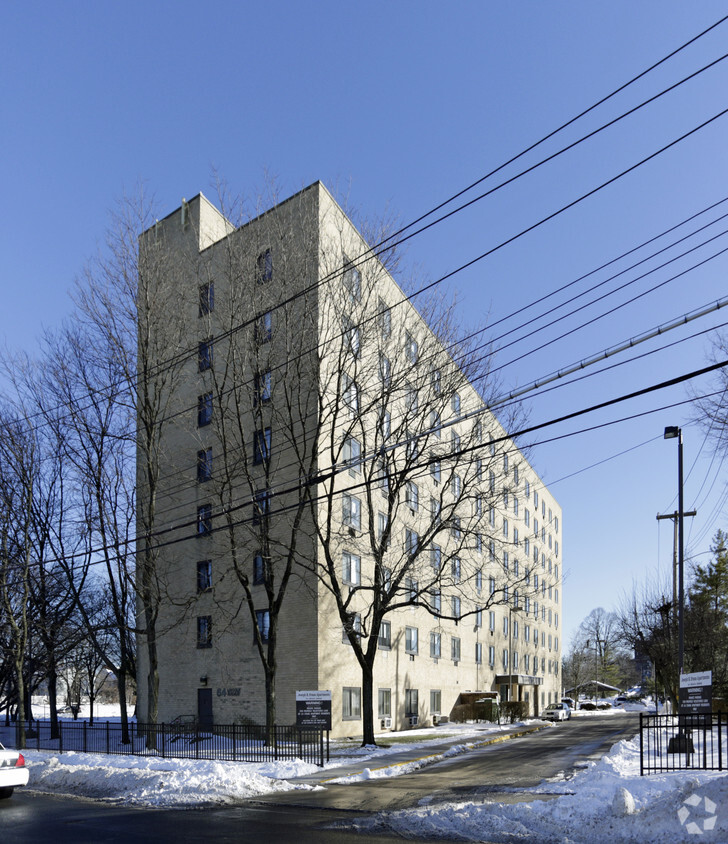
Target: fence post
720,742
642,764
60,735
85,745
107,738
164,736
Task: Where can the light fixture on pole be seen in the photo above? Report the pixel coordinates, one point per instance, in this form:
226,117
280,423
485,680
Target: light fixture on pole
671,433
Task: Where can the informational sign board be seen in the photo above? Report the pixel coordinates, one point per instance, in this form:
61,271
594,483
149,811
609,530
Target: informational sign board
313,709
696,693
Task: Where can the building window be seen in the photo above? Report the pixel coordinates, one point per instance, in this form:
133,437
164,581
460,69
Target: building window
204,410
204,355
436,471
515,474
412,496
505,464
385,636
436,381
454,442
535,500
479,580
456,530
435,645
264,267
385,320
352,337
527,489
352,626
264,327
435,557
382,525
411,399
351,511
436,601
385,703
556,524
207,298
479,469
262,388
479,617
491,585
350,392
515,536
351,703
435,510
435,702
385,371
456,569
204,520
411,640
351,569
411,350
455,649
352,282
204,465
413,587
515,506
204,576
261,506
258,570
491,620
505,528
491,655
412,541
261,446
262,622
456,609
435,424
204,631
478,653
411,702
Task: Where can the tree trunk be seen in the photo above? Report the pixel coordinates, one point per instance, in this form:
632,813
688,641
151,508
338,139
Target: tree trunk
53,699
121,686
367,704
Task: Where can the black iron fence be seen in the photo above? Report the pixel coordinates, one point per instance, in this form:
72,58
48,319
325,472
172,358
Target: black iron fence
231,742
682,742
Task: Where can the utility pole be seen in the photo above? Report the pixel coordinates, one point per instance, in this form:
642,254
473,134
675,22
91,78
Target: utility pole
675,520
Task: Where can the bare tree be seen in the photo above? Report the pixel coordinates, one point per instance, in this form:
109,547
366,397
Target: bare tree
126,305
84,402
19,470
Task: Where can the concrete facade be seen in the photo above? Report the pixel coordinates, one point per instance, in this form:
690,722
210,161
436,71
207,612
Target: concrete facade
320,430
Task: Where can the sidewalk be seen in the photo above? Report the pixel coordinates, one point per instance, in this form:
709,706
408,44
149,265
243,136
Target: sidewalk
409,754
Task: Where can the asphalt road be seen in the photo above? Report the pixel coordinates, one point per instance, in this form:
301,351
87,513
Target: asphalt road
498,772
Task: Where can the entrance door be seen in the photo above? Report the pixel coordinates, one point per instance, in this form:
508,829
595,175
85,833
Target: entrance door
204,708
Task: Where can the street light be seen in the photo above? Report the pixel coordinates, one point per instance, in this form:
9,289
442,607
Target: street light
671,433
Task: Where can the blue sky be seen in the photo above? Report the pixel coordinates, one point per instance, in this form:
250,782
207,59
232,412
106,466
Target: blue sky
395,106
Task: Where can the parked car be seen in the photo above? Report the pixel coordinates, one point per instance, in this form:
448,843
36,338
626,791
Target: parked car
13,772
556,712
570,702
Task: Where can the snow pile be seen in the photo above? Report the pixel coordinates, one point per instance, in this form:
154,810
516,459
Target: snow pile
151,781
608,801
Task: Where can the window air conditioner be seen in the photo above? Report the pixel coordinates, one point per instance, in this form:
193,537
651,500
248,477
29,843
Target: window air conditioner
352,532
386,723
413,720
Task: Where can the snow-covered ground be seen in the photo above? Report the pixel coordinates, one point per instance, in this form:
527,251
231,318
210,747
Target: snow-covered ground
606,801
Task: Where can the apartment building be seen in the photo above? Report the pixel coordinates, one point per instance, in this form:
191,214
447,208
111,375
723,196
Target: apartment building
336,508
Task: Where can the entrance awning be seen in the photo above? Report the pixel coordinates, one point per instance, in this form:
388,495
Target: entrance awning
518,680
